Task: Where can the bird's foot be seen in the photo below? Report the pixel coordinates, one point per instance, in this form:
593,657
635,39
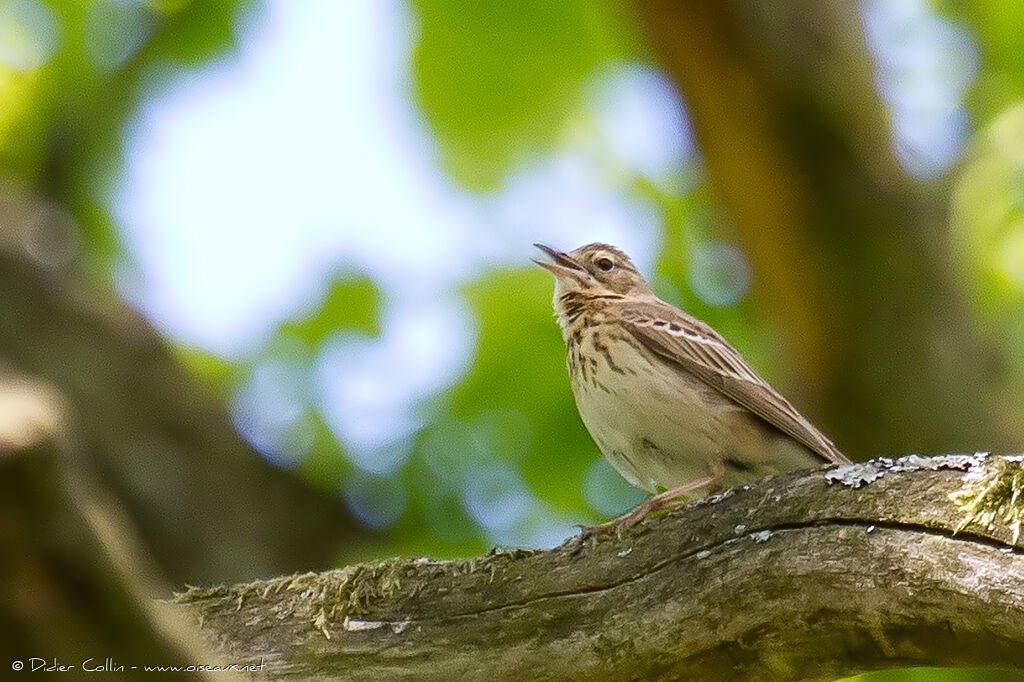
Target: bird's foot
618,525
664,500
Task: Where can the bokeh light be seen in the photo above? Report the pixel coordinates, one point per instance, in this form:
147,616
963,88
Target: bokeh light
606,491
641,120
28,34
271,410
113,31
242,176
369,388
718,273
923,64
376,501
495,496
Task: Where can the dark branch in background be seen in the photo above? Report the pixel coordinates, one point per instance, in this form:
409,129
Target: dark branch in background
851,255
810,575
161,442
148,438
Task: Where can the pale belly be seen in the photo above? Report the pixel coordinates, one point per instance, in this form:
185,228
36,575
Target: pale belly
661,428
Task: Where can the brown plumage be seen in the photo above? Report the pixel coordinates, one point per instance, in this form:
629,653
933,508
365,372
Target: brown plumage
669,402
684,340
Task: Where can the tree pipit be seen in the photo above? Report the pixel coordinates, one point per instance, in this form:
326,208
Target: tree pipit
669,402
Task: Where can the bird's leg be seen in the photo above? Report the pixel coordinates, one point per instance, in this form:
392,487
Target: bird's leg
659,501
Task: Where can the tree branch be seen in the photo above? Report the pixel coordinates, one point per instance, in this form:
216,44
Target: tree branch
810,575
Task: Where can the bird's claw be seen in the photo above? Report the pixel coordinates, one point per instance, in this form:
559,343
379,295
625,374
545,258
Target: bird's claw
618,525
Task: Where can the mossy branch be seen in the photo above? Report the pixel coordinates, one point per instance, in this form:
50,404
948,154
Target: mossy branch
809,575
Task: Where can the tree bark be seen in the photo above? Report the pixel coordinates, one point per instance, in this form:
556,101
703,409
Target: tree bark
811,575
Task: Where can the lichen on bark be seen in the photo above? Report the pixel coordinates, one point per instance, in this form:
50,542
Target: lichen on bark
993,493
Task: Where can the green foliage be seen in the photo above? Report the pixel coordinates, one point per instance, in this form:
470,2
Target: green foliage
496,83
987,228
511,414
352,302
997,26
520,366
325,466
216,372
61,120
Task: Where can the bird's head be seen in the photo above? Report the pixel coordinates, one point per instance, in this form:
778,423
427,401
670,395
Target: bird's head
593,269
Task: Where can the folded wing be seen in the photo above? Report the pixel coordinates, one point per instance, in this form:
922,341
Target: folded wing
700,350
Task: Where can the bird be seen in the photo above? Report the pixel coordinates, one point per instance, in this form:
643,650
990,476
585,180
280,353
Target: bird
670,403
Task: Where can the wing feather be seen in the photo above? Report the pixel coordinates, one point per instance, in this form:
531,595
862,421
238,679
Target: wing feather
700,350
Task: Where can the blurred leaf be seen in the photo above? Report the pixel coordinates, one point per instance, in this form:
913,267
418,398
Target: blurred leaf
520,366
987,217
497,81
987,235
214,370
351,302
62,131
196,31
325,465
512,415
997,26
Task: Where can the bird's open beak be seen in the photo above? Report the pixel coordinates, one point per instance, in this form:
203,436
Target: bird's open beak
562,265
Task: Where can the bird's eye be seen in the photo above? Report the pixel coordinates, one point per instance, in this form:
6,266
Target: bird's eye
605,264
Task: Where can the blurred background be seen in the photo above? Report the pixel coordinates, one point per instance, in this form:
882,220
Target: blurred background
266,302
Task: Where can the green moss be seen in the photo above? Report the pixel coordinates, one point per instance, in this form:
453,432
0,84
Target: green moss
318,597
332,596
995,494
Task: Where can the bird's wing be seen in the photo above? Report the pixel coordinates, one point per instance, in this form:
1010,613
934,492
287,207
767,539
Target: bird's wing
697,348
